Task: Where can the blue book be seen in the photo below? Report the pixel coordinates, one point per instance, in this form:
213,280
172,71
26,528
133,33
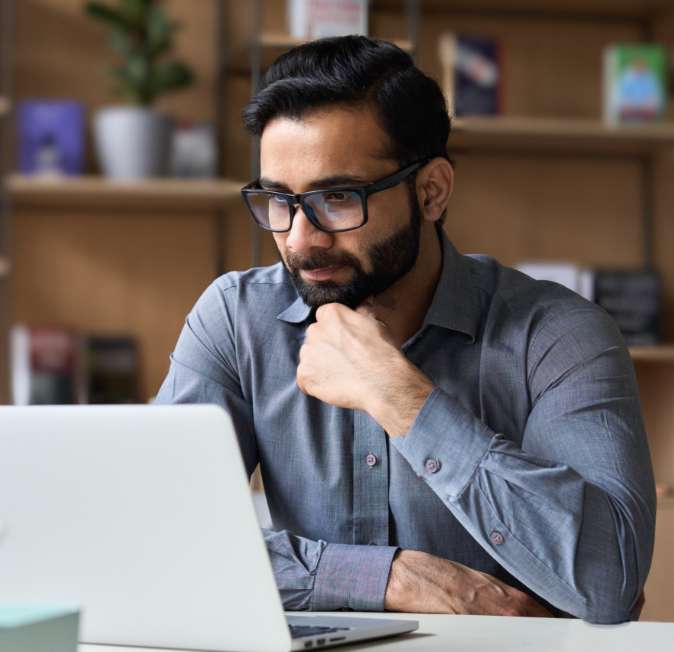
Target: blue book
472,74
50,137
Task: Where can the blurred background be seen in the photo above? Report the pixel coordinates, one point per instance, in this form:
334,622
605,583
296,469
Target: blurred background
122,154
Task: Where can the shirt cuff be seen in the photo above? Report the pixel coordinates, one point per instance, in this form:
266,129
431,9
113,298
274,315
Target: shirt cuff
445,444
352,577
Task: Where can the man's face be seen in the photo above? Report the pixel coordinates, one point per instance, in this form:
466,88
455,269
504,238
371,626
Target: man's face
338,147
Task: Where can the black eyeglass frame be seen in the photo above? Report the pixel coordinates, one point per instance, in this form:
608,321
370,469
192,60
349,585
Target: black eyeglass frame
299,199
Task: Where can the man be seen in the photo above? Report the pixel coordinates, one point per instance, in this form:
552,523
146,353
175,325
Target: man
436,432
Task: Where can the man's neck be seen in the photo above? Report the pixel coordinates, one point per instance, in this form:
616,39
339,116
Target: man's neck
404,305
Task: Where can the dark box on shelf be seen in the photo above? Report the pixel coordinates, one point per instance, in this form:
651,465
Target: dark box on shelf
634,299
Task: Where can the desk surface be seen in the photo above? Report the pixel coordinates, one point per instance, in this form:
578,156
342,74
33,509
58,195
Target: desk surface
499,634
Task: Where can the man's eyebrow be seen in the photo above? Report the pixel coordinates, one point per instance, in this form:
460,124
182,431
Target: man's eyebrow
317,184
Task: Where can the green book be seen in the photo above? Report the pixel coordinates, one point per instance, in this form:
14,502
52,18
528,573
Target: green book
38,628
635,82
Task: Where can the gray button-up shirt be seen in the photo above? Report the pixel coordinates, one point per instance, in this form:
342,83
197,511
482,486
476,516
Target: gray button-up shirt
528,461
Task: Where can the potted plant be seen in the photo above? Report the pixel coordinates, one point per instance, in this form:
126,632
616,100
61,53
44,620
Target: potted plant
134,140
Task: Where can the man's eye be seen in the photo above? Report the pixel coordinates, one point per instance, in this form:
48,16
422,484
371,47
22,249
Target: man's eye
336,197
278,200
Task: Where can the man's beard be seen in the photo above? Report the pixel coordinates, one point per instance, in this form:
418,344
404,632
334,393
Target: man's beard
390,261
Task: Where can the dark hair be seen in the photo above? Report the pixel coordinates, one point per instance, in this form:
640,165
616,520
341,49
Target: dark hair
353,71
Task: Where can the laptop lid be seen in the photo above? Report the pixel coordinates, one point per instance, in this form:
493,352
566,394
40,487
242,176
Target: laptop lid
143,516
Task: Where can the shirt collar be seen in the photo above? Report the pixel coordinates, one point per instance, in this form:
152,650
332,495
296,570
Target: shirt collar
455,304
296,312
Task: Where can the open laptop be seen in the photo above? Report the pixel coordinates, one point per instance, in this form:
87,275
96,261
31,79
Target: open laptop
143,516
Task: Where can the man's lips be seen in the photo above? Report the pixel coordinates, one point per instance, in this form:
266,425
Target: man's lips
320,274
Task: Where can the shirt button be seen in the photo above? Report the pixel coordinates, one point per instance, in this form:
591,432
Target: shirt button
432,465
496,538
371,459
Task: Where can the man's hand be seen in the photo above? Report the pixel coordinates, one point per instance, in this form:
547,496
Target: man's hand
423,583
350,360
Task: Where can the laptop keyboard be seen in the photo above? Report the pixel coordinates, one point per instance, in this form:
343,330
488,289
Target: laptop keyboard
298,631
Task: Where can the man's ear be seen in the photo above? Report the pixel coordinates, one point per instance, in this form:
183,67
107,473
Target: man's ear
435,182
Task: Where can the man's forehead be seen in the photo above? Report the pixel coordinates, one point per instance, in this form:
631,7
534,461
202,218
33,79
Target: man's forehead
324,143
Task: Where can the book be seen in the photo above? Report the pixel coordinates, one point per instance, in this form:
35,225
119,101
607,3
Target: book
44,365
109,370
472,77
314,19
574,277
54,366
38,628
635,82
50,137
634,299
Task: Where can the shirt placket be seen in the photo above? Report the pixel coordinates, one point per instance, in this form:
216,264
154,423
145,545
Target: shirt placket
370,482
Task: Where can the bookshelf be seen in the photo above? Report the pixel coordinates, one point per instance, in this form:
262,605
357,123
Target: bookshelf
545,180
89,192
558,135
661,353
592,9
283,41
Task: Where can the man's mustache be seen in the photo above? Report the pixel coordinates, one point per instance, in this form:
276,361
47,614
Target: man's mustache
297,262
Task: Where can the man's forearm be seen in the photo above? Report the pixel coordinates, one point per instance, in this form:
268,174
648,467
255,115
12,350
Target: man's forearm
548,526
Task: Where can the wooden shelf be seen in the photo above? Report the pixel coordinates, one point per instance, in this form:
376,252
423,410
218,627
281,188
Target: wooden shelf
272,44
90,191
284,41
5,106
527,134
591,8
661,353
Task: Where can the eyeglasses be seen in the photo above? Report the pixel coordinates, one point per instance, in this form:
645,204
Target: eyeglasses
342,208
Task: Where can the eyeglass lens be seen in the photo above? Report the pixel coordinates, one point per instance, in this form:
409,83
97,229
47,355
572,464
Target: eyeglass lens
332,209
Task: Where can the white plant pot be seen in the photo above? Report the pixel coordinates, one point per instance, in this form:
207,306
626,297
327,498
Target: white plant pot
132,142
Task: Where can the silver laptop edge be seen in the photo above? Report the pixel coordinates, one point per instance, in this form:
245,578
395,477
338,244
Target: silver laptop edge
143,515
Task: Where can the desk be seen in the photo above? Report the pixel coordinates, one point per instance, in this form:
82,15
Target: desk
498,634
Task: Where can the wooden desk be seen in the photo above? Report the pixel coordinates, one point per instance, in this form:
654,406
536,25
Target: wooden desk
497,634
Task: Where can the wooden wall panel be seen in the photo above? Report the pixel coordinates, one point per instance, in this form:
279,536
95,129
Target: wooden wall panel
658,590
134,274
547,208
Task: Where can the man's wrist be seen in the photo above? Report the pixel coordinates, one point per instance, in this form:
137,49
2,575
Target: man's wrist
397,400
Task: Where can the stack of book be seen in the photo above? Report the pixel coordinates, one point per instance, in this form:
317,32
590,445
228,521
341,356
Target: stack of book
634,300
633,297
53,366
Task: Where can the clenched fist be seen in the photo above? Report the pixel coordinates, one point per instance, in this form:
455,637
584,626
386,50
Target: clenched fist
350,360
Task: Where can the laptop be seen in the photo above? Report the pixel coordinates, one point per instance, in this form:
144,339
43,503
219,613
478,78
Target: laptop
143,517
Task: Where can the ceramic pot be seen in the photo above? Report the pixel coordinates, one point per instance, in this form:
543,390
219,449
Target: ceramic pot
133,142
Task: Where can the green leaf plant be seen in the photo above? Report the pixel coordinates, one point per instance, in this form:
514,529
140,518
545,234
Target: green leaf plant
141,34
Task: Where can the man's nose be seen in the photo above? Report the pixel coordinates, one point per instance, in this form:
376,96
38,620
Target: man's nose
304,236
